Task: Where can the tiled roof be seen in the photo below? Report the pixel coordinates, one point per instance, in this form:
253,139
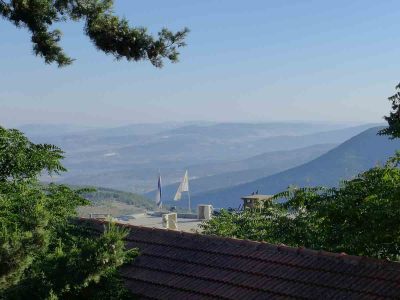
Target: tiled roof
177,265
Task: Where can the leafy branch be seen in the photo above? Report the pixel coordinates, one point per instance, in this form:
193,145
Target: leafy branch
109,33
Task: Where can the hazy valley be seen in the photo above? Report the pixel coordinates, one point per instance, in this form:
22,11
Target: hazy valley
225,160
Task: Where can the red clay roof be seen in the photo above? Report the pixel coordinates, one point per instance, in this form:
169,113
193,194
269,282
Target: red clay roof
177,265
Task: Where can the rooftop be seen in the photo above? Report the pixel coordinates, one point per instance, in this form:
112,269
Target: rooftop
146,220
257,197
181,265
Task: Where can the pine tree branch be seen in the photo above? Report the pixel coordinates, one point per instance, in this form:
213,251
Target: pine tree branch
109,33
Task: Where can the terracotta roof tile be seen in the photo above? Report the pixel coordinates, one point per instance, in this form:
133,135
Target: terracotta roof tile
175,265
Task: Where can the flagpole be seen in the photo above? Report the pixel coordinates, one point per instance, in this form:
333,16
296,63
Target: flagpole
159,176
188,189
189,200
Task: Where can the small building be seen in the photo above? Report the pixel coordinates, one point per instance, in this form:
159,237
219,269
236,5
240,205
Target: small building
255,201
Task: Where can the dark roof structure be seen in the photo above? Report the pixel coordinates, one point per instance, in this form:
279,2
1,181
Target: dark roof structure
257,197
177,265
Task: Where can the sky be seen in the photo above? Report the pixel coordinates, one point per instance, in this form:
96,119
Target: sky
255,60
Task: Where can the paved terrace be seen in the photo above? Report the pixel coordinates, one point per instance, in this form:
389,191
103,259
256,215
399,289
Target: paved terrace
184,224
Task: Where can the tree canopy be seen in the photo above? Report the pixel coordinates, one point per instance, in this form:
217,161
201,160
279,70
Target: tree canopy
43,253
109,33
393,119
360,217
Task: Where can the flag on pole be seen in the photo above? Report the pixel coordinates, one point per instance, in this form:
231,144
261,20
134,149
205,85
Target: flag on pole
183,187
185,183
159,193
178,194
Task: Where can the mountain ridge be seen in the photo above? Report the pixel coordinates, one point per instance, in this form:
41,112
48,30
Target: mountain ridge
249,169
355,155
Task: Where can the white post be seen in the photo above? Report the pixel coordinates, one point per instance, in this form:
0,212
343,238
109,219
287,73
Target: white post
189,201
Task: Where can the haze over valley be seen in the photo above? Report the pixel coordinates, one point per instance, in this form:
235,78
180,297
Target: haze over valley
220,157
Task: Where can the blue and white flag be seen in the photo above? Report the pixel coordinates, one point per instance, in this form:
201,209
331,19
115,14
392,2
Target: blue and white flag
159,193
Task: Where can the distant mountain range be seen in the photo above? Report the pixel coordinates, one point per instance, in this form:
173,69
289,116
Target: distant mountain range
129,157
358,154
246,170
134,167
225,160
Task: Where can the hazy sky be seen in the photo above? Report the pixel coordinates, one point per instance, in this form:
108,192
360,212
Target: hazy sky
246,60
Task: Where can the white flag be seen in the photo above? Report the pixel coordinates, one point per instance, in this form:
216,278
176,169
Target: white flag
183,187
185,183
178,194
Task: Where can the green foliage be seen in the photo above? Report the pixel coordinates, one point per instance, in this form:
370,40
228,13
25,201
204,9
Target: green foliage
109,33
360,217
43,253
393,130
21,159
75,264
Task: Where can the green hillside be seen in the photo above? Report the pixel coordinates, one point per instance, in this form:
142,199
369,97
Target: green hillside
103,195
345,161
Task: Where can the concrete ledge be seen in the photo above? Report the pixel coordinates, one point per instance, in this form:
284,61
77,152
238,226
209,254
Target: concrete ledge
180,215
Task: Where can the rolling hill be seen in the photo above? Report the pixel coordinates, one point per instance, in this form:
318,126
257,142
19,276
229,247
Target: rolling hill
359,153
135,167
248,169
128,157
